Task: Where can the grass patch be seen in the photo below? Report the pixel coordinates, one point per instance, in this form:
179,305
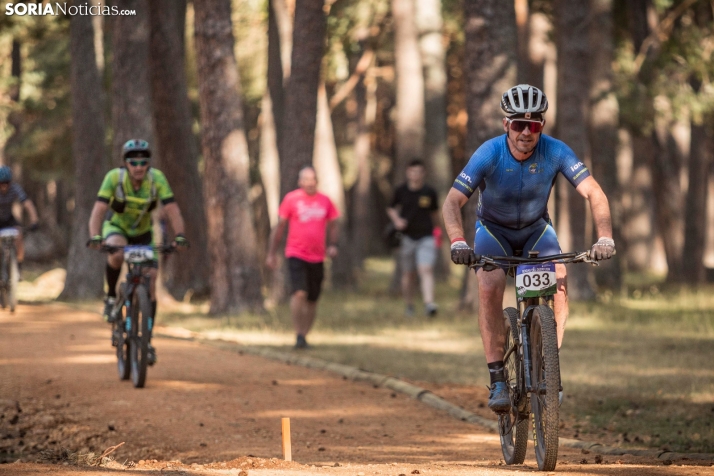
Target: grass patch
636,371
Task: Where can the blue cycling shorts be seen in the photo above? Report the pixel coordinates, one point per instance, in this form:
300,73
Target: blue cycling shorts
496,240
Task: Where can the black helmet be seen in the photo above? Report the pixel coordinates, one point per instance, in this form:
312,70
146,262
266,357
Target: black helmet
524,100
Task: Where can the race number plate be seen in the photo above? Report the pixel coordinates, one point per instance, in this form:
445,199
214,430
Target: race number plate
138,254
534,280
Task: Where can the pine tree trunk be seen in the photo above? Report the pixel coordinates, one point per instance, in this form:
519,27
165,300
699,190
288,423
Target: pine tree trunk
175,140
695,225
235,270
602,130
490,57
85,267
572,43
362,199
301,93
131,87
409,124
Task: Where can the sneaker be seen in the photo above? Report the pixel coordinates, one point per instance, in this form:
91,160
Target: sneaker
409,310
498,400
108,314
300,342
431,309
151,355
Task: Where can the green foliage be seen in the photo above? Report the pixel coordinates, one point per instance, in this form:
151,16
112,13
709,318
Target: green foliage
42,140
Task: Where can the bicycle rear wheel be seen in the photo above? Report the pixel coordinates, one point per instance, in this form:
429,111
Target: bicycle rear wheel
139,342
545,374
513,426
12,282
122,337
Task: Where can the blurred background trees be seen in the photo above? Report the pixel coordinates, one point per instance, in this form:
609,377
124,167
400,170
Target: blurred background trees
358,88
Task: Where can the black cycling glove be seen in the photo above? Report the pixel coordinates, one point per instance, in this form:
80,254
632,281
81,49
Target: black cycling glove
461,253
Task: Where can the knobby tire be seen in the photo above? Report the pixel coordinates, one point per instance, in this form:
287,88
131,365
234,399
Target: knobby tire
12,282
513,428
139,340
123,352
545,368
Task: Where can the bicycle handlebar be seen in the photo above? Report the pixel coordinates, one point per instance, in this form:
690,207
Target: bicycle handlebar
563,258
161,247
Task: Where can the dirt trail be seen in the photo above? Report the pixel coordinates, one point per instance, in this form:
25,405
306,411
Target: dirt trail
210,411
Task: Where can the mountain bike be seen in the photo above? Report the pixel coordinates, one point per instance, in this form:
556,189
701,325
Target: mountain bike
9,272
531,362
133,322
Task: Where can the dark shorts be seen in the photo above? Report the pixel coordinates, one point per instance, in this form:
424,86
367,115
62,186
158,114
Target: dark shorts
9,223
496,240
305,276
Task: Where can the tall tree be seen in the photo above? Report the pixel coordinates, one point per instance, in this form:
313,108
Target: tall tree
695,225
409,123
300,116
84,268
175,140
602,127
131,88
573,93
491,61
235,269
433,58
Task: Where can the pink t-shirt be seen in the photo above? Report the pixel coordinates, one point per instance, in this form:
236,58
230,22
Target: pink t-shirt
307,217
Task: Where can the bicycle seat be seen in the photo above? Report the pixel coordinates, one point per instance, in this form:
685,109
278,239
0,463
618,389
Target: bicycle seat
9,232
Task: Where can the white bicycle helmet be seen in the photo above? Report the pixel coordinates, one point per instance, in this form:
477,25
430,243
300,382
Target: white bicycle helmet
524,99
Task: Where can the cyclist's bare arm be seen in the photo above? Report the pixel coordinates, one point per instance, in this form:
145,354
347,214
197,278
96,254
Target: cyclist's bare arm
97,217
31,210
393,213
275,239
451,212
599,206
173,213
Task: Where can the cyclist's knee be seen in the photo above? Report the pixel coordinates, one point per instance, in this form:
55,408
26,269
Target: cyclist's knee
561,276
300,294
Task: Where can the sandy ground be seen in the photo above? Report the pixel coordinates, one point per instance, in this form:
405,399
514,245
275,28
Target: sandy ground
211,411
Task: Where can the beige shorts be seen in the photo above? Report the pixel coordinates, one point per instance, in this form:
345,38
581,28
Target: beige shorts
421,253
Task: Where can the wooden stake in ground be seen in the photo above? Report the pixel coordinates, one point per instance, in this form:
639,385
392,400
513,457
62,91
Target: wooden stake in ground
287,448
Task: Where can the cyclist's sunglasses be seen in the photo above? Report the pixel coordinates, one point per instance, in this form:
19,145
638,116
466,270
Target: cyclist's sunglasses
137,162
519,125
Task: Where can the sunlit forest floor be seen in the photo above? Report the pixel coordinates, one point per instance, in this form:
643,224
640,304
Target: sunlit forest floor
636,371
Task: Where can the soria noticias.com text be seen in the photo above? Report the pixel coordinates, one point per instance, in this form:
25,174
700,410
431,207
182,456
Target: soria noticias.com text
58,8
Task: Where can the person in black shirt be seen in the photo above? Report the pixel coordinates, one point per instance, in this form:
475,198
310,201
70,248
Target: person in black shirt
414,211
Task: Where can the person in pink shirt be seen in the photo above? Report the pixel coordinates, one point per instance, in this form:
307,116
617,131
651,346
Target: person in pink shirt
310,217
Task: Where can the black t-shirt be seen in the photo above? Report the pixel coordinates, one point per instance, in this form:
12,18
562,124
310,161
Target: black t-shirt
416,209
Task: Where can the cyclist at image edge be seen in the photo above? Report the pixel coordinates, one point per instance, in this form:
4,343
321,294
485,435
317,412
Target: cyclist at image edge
515,173
131,193
11,192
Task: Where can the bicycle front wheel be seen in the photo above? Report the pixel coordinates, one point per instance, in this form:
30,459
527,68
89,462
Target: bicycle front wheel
120,336
545,375
513,426
139,341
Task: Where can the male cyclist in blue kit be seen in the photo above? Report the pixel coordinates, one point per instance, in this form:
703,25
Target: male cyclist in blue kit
514,174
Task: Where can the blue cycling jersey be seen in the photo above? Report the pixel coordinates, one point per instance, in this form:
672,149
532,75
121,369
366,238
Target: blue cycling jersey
515,194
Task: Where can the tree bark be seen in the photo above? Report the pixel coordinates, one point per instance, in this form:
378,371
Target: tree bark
695,211
572,42
176,141
602,129
235,270
409,123
84,267
491,61
301,93
131,87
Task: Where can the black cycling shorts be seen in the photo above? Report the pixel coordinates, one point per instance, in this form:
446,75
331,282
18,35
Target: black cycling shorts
147,239
9,223
305,276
